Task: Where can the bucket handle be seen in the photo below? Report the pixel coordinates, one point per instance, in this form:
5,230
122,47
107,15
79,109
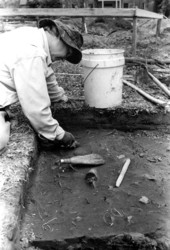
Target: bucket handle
90,72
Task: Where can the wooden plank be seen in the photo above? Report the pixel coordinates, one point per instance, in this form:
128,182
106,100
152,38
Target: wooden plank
86,12
148,14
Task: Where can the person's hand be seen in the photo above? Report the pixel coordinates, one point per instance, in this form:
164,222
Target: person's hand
68,140
64,98
71,101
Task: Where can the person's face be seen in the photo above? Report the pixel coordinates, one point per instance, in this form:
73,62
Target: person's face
58,49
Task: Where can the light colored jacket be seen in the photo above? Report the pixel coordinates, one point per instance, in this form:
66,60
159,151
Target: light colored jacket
26,76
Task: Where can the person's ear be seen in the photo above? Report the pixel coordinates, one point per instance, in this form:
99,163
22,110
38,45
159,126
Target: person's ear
52,30
46,28
56,31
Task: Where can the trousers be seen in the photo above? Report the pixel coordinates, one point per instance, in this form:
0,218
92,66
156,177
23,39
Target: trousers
4,130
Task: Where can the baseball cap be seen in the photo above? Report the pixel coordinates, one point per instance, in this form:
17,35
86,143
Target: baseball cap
69,35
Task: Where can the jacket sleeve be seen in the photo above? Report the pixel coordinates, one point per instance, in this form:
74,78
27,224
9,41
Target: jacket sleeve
30,81
56,92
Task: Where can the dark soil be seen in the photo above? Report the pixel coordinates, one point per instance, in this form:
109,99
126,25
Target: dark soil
61,205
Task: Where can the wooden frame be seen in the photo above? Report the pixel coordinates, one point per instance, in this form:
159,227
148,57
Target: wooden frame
82,13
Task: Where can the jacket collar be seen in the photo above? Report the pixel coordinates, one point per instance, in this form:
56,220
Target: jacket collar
45,46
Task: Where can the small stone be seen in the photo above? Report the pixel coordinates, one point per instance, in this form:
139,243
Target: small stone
144,200
120,156
168,149
149,177
110,188
129,218
151,159
78,218
159,159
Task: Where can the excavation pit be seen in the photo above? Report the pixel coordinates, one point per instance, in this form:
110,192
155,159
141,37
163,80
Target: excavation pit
63,212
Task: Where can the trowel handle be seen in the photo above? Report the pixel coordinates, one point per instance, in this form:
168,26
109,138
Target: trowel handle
69,160
73,160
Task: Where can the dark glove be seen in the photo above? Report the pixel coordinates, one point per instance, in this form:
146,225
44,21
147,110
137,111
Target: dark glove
68,140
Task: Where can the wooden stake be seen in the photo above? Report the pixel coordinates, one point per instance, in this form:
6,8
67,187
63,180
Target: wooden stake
159,84
146,95
123,172
134,37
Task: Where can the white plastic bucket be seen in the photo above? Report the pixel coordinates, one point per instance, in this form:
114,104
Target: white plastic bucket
102,74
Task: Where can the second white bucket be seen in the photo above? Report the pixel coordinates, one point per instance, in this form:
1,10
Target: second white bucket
102,74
